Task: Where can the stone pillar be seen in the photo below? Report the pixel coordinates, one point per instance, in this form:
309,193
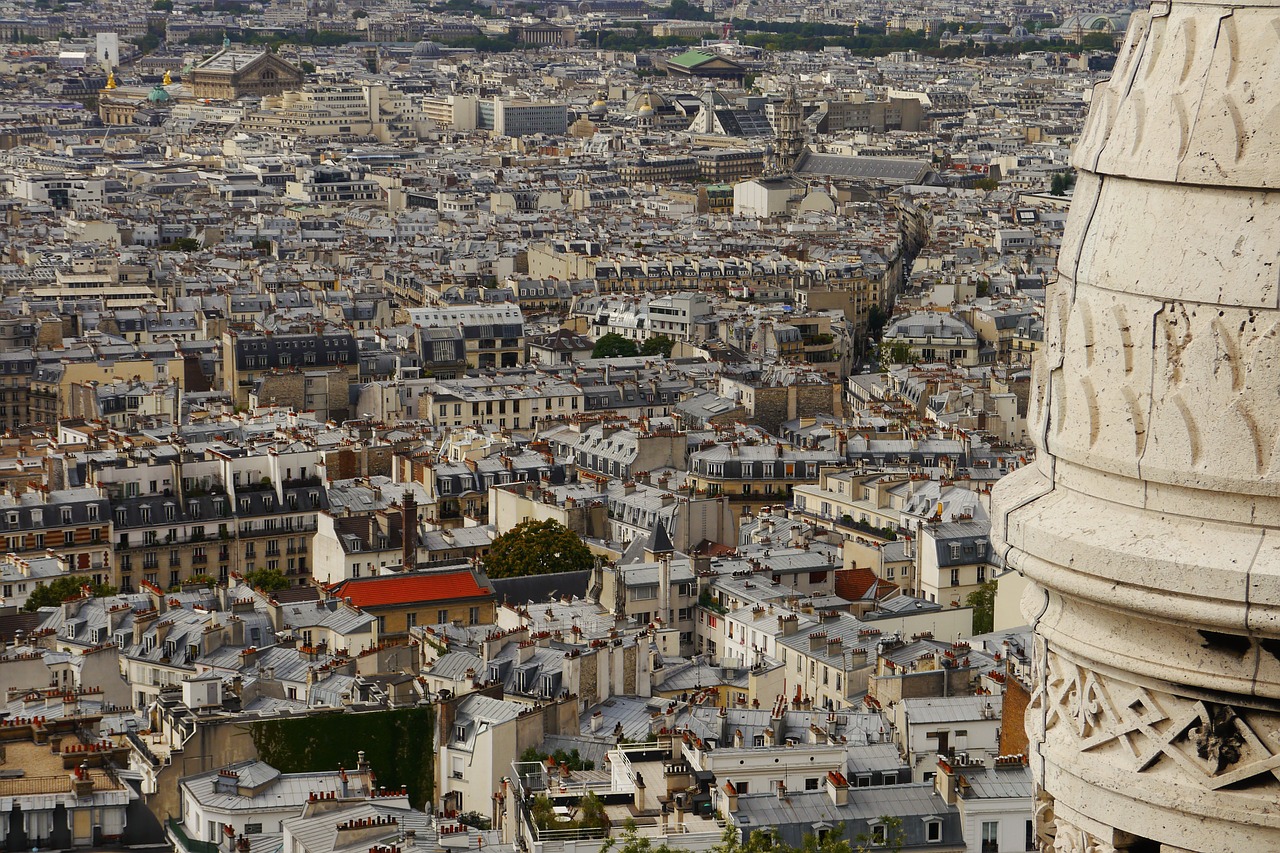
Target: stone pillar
1148,523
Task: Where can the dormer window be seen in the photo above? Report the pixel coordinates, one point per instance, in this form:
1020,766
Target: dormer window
460,733
933,830
66,515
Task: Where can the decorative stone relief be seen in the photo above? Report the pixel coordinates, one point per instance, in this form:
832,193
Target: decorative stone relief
1216,745
1045,822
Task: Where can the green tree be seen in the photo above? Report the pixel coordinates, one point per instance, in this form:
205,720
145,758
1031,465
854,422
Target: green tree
182,244
162,5
898,352
876,318
60,589
267,580
614,345
537,548
1058,184
660,345
307,67
683,10
983,602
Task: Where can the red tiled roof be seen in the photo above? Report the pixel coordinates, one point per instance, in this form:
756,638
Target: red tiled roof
854,584
411,589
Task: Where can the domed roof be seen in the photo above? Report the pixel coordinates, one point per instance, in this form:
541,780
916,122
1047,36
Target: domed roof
646,96
158,95
426,49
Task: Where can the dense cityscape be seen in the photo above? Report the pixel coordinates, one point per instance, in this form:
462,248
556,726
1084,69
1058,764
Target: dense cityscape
479,424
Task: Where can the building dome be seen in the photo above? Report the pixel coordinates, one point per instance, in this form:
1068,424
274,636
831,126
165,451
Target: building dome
601,103
426,50
646,98
158,95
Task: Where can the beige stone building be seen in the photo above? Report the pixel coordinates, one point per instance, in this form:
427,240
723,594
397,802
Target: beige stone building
231,74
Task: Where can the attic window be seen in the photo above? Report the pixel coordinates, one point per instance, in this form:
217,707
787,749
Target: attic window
460,733
933,830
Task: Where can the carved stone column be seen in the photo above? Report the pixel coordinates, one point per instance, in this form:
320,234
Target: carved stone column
1150,522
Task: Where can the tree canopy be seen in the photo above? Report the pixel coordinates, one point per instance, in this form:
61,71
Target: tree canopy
983,602
898,352
267,580
537,548
614,345
659,345
60,589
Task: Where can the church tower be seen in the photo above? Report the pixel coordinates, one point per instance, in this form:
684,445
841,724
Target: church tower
1148,527
788,132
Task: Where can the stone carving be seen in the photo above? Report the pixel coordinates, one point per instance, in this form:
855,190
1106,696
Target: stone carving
1215,744
1045,823
1147,525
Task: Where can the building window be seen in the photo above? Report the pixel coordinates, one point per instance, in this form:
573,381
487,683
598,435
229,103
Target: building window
955,577
990,836
933,831
473,616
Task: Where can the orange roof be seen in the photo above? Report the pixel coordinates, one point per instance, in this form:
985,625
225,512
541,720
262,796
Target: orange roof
855,584
411,589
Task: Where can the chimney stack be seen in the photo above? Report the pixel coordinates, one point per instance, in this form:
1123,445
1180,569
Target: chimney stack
409,533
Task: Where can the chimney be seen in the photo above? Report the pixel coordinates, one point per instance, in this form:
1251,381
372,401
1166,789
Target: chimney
788,624
731,797
945,782
409,532
837,788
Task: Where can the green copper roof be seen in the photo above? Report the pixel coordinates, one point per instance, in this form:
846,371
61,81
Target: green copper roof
692,59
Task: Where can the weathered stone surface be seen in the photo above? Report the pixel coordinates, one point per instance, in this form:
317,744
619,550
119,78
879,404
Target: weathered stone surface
1149,523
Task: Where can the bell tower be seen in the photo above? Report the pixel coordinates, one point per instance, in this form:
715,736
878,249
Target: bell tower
788,132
